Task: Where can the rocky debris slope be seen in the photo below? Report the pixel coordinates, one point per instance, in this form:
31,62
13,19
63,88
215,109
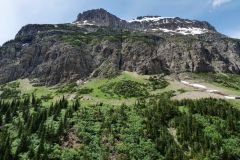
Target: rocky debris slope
99,44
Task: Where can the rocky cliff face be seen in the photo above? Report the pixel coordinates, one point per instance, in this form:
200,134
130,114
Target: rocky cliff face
101,44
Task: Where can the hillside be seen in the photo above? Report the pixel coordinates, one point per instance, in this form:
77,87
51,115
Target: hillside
125,117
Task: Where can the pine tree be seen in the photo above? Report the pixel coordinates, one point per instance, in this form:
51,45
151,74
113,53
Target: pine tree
33,100
7,152
8,117
40,151
1,121
60,128
20,129
76,105
23,145
31,153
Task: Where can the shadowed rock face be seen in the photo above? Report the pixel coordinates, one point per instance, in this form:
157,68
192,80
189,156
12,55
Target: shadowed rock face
104,45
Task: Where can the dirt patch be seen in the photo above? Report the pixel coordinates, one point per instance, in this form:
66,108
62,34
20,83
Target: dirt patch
71,140
72,96
173,132
86,98
196,95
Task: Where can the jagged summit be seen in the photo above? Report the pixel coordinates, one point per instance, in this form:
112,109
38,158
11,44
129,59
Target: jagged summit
173,25
98,17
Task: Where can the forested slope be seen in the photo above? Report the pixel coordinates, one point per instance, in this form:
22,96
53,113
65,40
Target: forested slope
156,129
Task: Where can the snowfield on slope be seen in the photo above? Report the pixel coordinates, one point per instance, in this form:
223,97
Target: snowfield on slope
149,19
184,31
210,92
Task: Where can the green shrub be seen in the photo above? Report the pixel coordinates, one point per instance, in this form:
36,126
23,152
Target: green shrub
129,88
226,80
46,97
125,88
85,90
69,88
158,82
37,85
108,88
10,93
14,85
181,90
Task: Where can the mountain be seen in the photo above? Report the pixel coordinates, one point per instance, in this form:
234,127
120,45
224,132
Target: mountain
99,44
101,17
111,100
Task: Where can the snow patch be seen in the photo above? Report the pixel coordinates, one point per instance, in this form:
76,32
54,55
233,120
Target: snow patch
229,97
184,31
84,23
212,91
164,30
149,19
192,30
25,44
198,86
195,85
185,82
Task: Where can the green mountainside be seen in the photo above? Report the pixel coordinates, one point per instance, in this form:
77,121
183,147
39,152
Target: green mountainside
129,116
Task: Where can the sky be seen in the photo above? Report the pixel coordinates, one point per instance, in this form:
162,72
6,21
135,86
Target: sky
222,14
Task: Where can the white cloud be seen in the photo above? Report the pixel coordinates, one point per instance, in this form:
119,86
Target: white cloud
217,3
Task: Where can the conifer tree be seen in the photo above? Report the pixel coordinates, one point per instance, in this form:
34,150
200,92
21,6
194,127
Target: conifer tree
8,117
40,150
23,145
7,147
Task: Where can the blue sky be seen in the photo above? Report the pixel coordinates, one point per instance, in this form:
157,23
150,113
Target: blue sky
14,14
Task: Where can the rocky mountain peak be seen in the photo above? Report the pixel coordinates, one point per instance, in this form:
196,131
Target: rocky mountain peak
98,17
173,25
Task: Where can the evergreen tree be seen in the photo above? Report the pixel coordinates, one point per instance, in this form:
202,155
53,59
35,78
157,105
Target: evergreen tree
1,121
23,145
7,148
8,116
40,151
60,129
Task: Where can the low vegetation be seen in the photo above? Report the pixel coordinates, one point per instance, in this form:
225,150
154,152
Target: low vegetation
68,88
156,129
46,97
125,88
226,80
85,90
10,91
158,82
36,125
